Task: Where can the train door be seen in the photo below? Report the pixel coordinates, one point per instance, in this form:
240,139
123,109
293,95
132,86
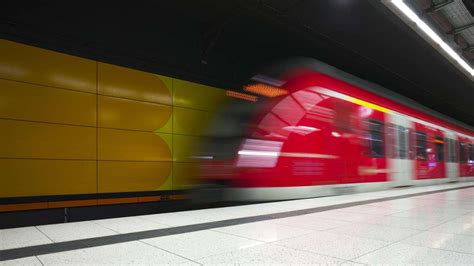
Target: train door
344,141
401,167
430,161
452,167
372,163
358,138
466,157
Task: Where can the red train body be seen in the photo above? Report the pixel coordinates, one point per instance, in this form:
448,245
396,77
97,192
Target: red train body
327,136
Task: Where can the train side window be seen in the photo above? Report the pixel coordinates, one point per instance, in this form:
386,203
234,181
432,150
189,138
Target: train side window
471,154
411,146
402,142
421,153
376,138
439,142
456,150
391,140
462,152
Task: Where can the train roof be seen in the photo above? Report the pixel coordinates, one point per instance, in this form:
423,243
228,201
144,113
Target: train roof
280,69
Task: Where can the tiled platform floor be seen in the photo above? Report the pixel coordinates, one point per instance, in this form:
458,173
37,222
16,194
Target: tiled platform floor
435,228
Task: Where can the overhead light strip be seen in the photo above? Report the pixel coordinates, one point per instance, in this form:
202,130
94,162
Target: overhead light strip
403,8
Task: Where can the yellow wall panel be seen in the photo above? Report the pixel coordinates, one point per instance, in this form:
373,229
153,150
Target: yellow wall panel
129,114
186,148
192,122
48,141
185,175
30,64
136,120
115,176
134,84
197,96
22,177
25,101
126,145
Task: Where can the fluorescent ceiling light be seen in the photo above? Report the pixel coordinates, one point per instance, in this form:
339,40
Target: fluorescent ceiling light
403,8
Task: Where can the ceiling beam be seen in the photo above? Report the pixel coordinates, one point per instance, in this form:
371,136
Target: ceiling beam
439,6
461,28
469,48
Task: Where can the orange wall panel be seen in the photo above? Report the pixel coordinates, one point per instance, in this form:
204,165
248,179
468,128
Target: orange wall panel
24,177
133,84
197,96
185,175
26,101
129,114
46,141
117,176
39,66
126,145
186,148
192,122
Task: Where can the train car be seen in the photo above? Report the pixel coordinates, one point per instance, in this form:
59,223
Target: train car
317,131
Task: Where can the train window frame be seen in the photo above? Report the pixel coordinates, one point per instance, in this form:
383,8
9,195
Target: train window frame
462,152
402,146
471,153
376,137
439,148
421,150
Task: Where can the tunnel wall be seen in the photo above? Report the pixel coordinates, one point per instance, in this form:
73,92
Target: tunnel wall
76,126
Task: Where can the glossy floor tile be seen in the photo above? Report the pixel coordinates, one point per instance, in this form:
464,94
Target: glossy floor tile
456,226
402,254
378,232
172,219
124,253
129,224
201,244
310,222
22,237
269,254
334,245
452,242
33,261
74,231
263,231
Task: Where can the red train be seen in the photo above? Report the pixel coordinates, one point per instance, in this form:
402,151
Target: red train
320,131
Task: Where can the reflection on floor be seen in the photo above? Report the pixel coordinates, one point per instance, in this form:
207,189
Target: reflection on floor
436,228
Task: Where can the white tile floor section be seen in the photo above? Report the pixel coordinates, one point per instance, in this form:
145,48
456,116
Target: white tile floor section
429,229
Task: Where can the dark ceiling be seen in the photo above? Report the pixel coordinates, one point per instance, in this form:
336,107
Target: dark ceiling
222,43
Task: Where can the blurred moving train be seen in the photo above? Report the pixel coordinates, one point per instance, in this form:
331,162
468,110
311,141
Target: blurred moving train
306,129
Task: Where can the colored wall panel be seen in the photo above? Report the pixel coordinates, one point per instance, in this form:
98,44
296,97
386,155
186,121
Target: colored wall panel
185,148
191,122
197,96
23,177
134,113
185,175
125,145
130,114
25,101
133,84
48,141
26,63
133,176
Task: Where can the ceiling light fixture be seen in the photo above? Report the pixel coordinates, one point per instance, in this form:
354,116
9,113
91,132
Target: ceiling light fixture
418,24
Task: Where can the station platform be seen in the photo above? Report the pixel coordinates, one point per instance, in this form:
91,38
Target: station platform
416,225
